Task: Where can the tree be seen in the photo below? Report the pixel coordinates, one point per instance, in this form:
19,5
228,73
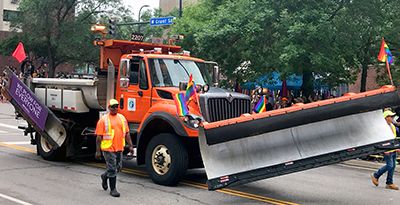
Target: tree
58,30
314,39
361,25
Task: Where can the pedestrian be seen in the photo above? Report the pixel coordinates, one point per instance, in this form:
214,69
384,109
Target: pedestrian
389,157
112,131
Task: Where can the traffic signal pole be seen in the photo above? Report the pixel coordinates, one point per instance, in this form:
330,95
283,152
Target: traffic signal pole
113,27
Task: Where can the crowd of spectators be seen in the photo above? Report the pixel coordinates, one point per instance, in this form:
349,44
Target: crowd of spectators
3,83
277,102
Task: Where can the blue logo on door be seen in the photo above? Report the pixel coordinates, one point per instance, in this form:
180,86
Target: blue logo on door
131,104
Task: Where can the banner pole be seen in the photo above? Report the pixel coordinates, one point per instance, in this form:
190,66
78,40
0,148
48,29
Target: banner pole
387,65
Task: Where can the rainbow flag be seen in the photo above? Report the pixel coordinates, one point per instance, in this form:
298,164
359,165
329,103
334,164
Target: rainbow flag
385,53
190,89
261,105
180,103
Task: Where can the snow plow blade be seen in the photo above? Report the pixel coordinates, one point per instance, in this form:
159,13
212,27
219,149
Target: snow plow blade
34,111
278,142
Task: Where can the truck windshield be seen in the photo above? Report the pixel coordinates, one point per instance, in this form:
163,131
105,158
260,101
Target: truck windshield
169,72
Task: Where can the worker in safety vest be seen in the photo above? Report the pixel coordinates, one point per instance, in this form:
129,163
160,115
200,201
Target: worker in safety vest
112,131
389,157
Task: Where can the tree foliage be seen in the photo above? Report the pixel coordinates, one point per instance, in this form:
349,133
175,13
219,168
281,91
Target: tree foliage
58,30
314,39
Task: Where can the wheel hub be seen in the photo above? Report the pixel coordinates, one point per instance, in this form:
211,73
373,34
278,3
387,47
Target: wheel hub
45,145
161,159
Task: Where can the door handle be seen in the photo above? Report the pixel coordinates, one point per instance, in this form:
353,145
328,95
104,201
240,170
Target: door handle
140,93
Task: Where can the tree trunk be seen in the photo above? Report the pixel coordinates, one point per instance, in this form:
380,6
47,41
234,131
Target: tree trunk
52,63
308,82
365,63
364,77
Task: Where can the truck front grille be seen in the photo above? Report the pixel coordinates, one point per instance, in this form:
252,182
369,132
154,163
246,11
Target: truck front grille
222,109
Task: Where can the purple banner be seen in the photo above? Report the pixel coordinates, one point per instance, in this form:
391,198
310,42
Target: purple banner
28,102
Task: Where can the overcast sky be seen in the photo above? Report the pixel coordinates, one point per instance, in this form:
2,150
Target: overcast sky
136,4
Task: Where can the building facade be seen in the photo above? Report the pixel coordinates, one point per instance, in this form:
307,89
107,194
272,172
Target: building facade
169,5
8,9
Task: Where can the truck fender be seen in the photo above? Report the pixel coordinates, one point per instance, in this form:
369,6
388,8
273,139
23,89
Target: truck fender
143,141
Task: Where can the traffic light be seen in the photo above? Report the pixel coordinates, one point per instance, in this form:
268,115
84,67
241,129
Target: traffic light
113,27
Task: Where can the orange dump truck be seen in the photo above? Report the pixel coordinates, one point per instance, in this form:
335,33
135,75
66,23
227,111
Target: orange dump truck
219,134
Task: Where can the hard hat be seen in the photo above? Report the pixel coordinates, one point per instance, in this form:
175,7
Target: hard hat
113,102
388,113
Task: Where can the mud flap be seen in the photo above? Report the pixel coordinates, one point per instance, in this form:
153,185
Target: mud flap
34,111
249,149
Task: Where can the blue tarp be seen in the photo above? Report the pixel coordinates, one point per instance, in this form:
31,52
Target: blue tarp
274,83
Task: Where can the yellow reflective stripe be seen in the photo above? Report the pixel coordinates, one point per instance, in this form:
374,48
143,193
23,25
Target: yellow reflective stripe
109,123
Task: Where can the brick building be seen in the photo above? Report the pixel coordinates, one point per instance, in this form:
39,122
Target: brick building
371,82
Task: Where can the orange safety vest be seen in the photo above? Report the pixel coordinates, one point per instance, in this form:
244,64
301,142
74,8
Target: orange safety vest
108,134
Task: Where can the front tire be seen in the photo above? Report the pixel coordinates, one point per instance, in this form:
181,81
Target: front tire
166,159
47,152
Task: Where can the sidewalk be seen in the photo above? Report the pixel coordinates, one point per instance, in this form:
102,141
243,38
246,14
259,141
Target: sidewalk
367,164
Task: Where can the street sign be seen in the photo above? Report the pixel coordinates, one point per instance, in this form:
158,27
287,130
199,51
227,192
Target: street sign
161,21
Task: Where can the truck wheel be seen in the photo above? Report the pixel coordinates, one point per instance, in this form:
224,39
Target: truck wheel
46,150
166,159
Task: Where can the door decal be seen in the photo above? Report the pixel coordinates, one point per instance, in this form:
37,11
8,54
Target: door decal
132,104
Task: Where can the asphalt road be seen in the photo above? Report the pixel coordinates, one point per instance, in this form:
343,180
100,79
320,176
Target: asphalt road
26,178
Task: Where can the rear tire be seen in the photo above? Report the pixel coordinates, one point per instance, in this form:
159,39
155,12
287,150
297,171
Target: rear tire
47,152
166,159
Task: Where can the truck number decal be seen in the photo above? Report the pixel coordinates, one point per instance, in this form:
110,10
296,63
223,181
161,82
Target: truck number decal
132,104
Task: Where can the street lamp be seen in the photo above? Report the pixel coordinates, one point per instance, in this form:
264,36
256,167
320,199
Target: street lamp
139,16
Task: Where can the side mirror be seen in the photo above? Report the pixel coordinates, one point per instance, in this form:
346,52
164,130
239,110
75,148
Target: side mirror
216,75
182,86
123,82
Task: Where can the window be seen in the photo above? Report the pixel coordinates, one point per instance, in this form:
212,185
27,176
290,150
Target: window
143,77
134,73
8,15
170,72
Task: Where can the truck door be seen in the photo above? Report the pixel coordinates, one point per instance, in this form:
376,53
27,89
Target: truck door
137,95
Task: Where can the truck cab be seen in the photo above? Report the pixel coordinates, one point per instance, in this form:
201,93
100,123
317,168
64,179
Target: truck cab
147,77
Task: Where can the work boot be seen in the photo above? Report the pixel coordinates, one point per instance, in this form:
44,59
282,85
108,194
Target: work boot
113,182
392,186
375,180
104,181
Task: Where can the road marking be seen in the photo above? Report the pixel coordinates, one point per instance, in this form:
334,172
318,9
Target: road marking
185,182
15,200
3,132
15,127
17,147
16,143
203,186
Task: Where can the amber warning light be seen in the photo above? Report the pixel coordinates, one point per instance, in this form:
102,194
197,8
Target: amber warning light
98,28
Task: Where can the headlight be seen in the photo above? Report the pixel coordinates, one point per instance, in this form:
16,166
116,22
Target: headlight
206,88
191,120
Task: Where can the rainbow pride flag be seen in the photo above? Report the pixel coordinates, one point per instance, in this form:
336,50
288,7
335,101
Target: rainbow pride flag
180,103
261,105
190,89
385,53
